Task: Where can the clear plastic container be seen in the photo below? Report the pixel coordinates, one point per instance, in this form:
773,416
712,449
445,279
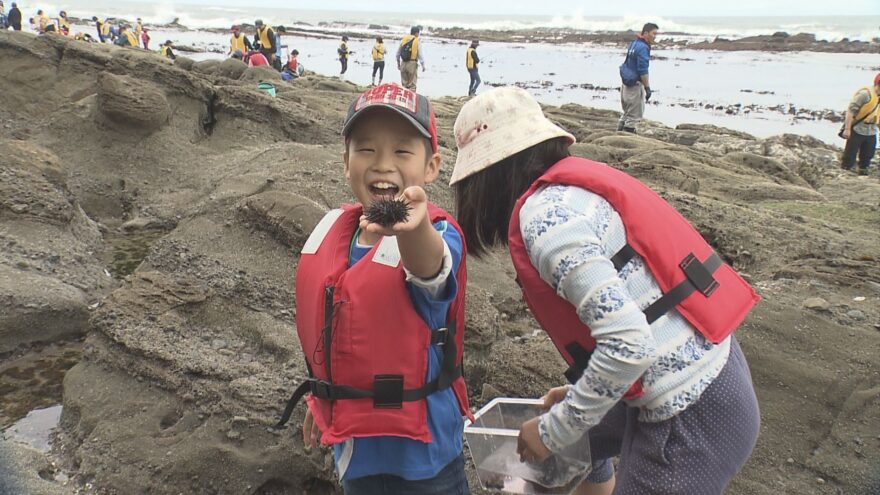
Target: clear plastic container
492,440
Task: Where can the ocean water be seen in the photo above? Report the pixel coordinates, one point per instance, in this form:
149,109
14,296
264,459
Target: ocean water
781,89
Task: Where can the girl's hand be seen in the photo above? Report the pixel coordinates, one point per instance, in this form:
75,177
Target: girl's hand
529,445
417,199
311,432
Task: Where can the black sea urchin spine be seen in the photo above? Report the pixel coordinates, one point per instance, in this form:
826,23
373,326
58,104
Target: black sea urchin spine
388,212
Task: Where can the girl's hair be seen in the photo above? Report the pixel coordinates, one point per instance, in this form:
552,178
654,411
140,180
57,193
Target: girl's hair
484,201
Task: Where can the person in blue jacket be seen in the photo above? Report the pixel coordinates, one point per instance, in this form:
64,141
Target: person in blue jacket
635,89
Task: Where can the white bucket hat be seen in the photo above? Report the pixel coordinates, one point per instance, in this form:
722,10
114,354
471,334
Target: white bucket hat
497,124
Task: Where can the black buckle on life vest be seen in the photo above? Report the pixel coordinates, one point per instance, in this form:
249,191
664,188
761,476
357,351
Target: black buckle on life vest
388,391
321,389
699,276
580,359
440,336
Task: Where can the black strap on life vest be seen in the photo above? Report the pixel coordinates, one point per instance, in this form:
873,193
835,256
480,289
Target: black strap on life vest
698,277
388,391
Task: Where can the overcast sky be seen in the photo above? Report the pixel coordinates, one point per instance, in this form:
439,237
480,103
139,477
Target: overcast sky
588,8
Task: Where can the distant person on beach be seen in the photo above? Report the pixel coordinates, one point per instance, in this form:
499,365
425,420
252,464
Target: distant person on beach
635,90
63,23
378,60
279,48
405,434
267,40
166,51
292,69
99,27
43,21
138,29
238,41
4,20
145,38
640,306
860,128
343,52
14,17
126,37
409,55
472,62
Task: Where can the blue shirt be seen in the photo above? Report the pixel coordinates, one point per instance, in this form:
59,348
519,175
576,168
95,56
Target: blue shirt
638,56
404,457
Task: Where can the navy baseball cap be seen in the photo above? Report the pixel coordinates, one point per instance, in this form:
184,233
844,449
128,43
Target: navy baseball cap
415,108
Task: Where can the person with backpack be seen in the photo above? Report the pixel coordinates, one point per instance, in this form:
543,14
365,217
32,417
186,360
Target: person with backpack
860,128
635,89
343,52
409,55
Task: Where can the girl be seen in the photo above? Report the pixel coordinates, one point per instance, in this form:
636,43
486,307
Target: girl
634,299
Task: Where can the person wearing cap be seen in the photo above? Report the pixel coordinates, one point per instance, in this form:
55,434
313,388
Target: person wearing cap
860,128
238,42
407,438
256,59
409,56
267,40
343,53
126,37
635,88
472,62
165,50
635,300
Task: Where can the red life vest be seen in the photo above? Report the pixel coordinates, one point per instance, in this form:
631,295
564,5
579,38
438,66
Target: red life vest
707,292
365,345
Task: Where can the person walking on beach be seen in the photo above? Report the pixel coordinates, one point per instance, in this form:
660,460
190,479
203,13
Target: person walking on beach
409,56
404,434
640,305
860,128
343,52
145,38
378,60
472,62
635,89
14,17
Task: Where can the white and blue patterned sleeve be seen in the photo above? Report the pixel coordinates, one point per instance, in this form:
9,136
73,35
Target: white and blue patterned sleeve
564,229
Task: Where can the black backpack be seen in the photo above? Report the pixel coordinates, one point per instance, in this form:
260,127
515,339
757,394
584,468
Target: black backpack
406,50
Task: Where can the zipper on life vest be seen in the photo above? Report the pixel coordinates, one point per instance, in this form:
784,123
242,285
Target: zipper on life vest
327,334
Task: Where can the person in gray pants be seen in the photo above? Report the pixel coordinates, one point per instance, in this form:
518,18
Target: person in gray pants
635,89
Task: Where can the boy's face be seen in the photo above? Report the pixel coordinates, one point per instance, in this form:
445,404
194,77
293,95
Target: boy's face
385,155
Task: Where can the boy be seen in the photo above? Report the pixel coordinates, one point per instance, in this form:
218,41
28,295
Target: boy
380,312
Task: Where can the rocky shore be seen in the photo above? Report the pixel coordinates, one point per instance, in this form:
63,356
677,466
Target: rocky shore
189,355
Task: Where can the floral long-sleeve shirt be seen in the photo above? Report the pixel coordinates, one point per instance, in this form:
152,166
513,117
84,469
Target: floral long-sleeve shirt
570,235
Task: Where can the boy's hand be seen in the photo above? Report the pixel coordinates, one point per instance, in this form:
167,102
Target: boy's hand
417,199
311,432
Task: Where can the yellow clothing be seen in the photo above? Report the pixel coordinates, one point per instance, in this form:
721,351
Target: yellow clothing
64,24
414,54
265,43
870,112
105,29
163,50
44,21
378,52
132,39
138,29
470,58
237,43
342,51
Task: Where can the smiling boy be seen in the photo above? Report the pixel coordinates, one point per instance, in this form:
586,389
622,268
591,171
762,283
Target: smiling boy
380,312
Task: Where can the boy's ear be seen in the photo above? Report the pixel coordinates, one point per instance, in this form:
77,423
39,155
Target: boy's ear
345,163
432,168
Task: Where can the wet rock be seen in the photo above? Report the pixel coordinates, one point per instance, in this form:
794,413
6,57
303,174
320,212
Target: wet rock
231,68
184,63
259,74
289,217
133,103
207,66
856,314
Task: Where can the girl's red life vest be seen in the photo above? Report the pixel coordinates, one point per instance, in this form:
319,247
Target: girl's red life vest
360,332
707,292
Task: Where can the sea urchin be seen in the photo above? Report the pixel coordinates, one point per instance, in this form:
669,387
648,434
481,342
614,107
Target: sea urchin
387,212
